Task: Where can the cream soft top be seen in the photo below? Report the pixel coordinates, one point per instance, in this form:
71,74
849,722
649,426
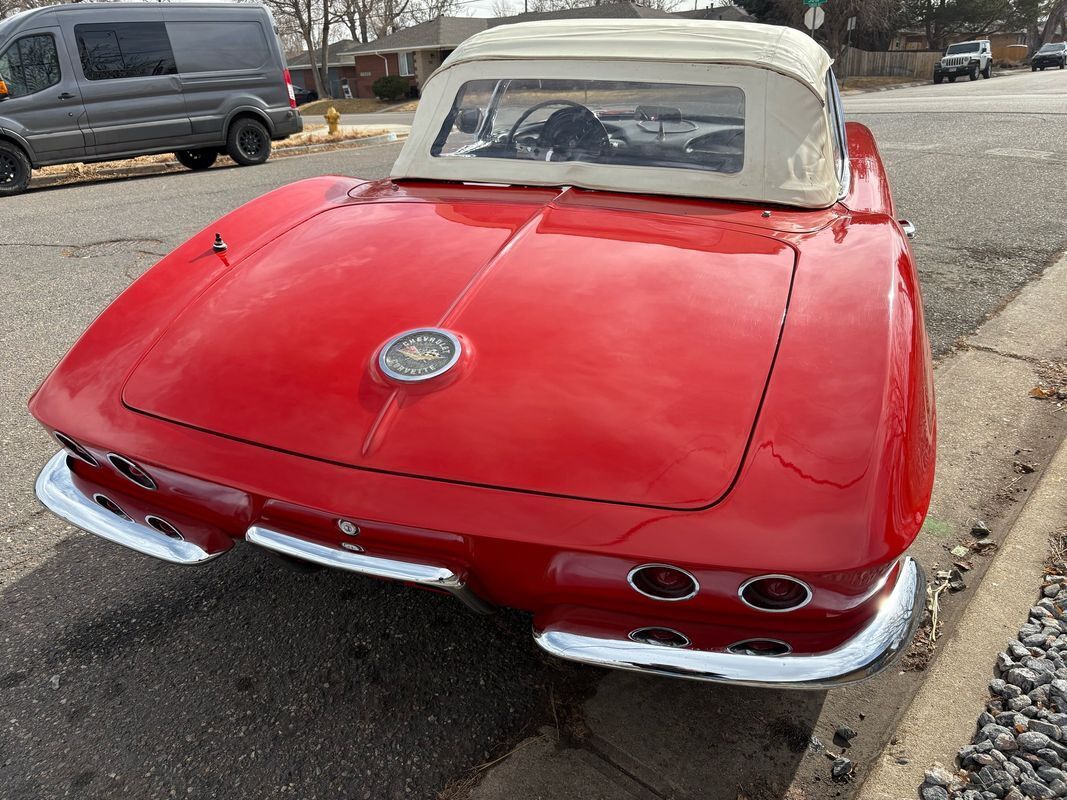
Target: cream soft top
789,155
783,50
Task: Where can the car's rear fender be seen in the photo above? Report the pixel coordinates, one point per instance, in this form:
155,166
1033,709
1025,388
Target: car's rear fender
869,190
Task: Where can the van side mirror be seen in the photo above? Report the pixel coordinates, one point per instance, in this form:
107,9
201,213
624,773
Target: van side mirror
468,120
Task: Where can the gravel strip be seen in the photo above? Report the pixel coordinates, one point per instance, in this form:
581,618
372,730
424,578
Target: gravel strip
1020,749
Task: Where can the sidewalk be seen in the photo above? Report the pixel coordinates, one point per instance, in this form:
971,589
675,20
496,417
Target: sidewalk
650,737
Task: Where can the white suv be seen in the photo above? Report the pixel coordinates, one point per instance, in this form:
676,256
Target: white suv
965,58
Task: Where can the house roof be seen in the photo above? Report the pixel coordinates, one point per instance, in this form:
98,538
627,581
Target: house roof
335,50
448,32
442,32
730,13
623,10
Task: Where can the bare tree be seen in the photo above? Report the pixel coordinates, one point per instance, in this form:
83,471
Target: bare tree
872,16
311,20
358,16
389,17
423,10
945,20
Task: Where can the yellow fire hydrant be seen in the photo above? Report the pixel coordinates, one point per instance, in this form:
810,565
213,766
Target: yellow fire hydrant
332,118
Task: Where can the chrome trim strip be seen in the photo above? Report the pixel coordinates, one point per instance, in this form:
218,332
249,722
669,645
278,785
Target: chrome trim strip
56,490
790,578
687,573
375,566
845,174
870,651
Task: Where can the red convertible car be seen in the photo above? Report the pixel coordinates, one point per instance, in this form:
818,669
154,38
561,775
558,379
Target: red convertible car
630,339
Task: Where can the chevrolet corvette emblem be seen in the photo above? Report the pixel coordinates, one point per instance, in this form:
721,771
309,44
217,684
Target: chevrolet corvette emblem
419,354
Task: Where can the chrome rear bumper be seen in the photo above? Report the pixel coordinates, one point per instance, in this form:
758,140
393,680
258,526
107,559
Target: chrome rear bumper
374,566
56,490
867,653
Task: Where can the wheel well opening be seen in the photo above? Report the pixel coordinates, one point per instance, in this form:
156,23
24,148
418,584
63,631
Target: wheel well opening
18,146
258,117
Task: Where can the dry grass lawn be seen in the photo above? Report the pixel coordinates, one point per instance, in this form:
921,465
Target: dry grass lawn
313,134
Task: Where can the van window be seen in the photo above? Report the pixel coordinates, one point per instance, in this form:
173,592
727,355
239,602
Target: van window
29,65
124,50
218,46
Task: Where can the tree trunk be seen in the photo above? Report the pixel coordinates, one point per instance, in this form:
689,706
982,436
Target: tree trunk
316,76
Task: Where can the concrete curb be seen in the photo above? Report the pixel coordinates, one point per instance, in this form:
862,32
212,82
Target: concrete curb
164,167
942,715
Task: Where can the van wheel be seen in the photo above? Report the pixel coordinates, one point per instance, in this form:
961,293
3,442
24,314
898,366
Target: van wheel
197,159
14,169
248,142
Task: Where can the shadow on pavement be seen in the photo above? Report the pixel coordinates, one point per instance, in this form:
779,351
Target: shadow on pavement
123,676
241,678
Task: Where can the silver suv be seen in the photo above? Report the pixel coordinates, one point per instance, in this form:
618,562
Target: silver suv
965,58
97,82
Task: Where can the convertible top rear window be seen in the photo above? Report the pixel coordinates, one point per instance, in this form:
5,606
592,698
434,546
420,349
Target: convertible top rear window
601,122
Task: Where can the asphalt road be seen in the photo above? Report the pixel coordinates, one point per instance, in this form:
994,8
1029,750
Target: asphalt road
123,677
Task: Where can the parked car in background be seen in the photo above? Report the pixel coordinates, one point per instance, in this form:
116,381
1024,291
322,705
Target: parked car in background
1053,54
98,82
972,59
303,95
664,383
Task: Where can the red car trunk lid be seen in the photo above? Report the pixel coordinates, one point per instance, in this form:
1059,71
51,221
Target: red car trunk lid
610,355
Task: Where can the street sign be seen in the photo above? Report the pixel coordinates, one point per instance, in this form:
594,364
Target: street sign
851,24
814,3
814,17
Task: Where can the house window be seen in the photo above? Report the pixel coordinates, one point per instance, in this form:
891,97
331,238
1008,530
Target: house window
407,63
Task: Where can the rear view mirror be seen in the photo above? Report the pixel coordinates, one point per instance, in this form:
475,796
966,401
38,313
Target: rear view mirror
468,120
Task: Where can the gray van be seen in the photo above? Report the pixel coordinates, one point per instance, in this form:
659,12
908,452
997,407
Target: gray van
97,82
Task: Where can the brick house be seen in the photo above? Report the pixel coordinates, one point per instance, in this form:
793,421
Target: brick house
341,71
412,53
417,51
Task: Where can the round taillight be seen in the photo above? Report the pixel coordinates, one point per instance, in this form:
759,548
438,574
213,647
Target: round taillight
775,593
164,527
760,647
104,501
75,449
131,471
665,637
663,582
